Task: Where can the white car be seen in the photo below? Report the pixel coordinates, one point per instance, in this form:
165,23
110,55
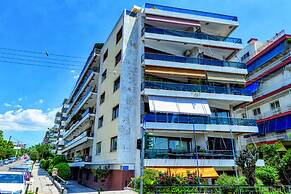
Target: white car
13,182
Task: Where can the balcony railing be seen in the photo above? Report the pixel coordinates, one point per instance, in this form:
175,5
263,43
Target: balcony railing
192,12
187,154
191,35
194,88
192,119
274,112
78,138
200,61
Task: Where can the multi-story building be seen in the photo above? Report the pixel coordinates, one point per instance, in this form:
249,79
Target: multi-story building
51,136
269,79
60,121
167,71
80,109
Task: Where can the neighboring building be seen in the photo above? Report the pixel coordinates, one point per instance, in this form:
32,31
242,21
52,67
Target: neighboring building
51,136
269,78
60,121
79,111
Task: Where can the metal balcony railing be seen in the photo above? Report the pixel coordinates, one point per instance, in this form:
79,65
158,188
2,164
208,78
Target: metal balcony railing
191,35
192,119
192,12
194,88
78,138
200,61
187,154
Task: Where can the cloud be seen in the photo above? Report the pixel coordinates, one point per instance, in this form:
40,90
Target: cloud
76,76
18,106
20,99
27,119
40,101
73,71
7,104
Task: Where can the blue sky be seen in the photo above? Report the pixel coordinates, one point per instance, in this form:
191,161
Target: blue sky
29,96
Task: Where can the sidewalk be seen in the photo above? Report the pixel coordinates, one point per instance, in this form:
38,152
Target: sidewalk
42,181
75,188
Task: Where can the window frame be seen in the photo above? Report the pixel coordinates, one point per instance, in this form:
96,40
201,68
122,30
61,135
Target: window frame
116,84
104,75
105,55
100,119
115,112
257,111
113,144
119,35
275,105
102,98
118,58
98,151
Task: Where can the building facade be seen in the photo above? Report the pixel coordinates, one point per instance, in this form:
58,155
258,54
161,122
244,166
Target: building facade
269,79
172,74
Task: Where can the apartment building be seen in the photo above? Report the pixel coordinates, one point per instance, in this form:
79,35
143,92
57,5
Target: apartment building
172,73
50,136
79,113
269,79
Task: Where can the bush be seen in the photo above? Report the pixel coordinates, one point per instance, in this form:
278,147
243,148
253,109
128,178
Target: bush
268,175
63,170
44,164
229,183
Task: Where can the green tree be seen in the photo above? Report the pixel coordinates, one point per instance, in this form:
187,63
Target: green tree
285,168
63,170
268,175
6,147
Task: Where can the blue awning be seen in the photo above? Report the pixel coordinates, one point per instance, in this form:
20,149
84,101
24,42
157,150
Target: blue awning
251,88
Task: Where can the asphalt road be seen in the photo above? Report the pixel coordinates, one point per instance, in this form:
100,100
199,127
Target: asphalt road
6,167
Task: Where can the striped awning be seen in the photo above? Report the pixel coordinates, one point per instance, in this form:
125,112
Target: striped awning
175,71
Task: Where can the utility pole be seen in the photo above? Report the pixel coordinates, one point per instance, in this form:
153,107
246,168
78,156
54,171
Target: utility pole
142,160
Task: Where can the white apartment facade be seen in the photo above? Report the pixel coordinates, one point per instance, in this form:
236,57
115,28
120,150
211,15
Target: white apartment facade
269,78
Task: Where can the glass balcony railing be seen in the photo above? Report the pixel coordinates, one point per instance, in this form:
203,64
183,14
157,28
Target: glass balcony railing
187,154
78,138
193,119
194,88
191,35
191,12
200,61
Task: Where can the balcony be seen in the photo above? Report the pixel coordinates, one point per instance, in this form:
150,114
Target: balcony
230,94
85,116
191,12
189,60
175,122
187,154
273,113
80,161
81,103
82,87
82,138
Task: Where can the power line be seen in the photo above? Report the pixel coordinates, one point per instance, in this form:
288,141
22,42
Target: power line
31,60
43,66
39,57
42,53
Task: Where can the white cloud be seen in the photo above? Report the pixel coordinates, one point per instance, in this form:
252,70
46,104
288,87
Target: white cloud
73,71
18,106
40,101
27,119
76,76
20,99
7,104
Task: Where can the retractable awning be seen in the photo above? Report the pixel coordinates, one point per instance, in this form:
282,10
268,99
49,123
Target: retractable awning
203,172
178,105
226,77
177,21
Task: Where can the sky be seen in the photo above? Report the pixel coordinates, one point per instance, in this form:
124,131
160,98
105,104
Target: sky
30,96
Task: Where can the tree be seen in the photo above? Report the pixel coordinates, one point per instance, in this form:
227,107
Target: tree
285,168
270,154
63,170
268,175
6,147
247,163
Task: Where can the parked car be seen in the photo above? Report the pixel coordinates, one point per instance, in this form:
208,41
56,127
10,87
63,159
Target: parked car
6,161
22,168
1,162
13,182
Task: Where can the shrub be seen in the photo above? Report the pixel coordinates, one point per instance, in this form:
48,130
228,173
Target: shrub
229,183
268,175
44,164
63,170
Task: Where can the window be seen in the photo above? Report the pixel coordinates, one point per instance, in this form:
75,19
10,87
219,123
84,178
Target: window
102,98
115,111
96,179
104,74
105,55
113,144
275,105
217,143
98,148
246,55
257,111
116,84
100,122
244,115
117,58
119,35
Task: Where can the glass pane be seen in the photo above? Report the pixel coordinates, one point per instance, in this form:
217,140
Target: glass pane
160,143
